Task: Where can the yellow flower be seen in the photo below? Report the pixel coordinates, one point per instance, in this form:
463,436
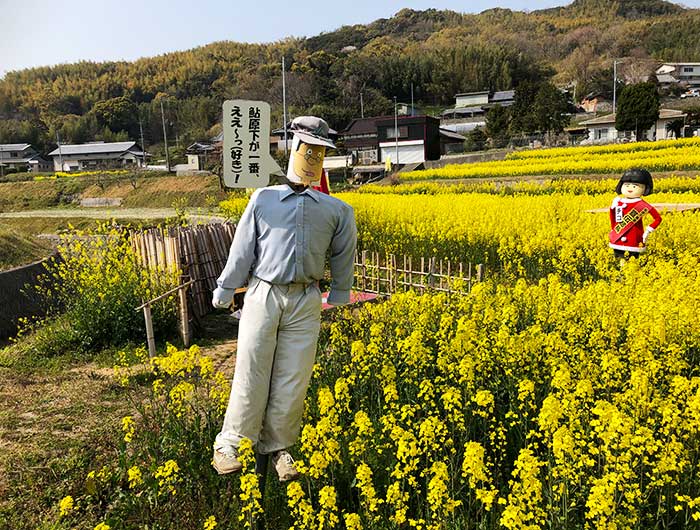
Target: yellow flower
129,428
65,506
327,516
210,523
167,476
301,510
134,476
102,526
352,521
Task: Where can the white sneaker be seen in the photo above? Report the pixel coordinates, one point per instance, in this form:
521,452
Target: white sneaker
226,461
284,465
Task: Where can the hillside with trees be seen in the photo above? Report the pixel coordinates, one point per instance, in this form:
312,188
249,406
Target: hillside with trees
438,53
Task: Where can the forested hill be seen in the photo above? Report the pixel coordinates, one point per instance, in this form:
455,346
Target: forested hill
440,53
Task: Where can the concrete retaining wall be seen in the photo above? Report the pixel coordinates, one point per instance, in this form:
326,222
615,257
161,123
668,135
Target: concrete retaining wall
467,158
99,202
17,298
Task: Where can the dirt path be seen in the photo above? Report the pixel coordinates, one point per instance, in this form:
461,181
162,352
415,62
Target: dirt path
55,424
193,214
662,207
52,425
219,340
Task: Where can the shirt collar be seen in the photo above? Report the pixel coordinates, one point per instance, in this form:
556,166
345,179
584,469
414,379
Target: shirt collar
287,191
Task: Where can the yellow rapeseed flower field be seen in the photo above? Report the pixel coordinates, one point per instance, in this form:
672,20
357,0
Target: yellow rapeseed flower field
563,392
668,155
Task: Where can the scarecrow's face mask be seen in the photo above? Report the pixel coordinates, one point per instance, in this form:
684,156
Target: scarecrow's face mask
306,163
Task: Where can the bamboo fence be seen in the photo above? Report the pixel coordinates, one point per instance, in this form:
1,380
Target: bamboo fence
387,274
198,252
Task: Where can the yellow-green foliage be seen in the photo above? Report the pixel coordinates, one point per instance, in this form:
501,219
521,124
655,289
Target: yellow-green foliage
548,406
523,405
576,186
76,174
160,475
669,155
19,249
515,235
518,406
98,282
529,230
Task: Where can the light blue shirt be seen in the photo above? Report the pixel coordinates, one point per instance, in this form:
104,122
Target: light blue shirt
283,237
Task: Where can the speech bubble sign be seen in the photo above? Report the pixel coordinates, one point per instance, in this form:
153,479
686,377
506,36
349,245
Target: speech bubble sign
247,159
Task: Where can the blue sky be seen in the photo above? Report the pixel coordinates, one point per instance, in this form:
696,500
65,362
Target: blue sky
39,32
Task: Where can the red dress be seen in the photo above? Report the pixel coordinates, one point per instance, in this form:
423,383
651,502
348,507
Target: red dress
323,185
627,228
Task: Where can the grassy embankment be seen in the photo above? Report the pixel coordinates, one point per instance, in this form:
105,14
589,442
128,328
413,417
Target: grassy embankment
17,248
18,244
142,191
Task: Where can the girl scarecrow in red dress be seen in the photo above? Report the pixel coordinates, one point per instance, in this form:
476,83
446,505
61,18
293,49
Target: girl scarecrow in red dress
627,234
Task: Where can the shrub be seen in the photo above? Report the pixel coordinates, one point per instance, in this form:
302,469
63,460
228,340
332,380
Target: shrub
97,282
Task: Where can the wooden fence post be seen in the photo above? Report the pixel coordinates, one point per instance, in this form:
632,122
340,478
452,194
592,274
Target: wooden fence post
149,330
184,317
480,272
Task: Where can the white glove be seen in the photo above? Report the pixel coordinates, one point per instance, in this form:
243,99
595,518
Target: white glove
222,298
648,231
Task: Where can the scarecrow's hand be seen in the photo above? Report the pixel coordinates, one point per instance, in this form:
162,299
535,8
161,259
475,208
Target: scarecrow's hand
222,298
648,231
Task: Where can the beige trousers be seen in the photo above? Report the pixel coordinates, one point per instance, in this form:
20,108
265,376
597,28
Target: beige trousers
277,340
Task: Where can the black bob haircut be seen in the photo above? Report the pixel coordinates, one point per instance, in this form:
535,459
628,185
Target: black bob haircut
638,176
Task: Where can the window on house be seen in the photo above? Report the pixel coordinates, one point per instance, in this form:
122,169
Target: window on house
14,155
687,69
355,136
601,134
391,132
366,157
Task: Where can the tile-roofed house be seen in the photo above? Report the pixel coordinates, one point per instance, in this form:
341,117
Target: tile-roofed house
97,155
470,109
360,137
602,129
22,157
673,73
504,98
374,140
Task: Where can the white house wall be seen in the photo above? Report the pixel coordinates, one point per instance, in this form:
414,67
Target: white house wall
412,152
82,162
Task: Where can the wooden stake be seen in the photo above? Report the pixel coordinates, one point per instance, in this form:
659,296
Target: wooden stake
184,317
149,331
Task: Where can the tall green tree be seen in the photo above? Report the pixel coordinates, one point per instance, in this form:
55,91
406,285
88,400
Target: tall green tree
540,107
551,109
637,108
498,125
117,114
522,119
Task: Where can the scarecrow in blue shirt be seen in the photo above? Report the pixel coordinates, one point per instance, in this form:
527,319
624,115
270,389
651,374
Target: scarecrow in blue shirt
280,249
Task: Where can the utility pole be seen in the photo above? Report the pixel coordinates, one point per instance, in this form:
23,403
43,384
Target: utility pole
412,113
396,129
284,106
2,167
362,106
165,135
60,155
614,85
143,144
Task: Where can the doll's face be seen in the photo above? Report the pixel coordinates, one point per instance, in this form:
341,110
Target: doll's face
632,190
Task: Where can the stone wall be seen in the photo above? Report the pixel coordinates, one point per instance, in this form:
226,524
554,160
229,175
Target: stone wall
16,296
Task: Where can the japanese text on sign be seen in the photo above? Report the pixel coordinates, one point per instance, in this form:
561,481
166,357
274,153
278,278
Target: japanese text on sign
247,161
